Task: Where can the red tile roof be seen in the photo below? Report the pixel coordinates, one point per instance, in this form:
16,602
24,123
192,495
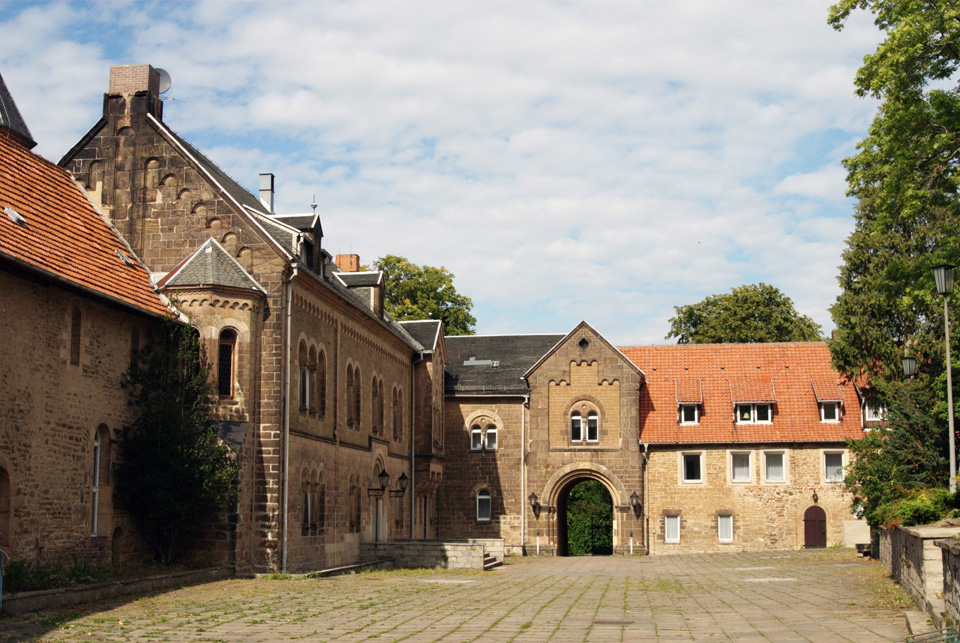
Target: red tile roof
728,371
63,235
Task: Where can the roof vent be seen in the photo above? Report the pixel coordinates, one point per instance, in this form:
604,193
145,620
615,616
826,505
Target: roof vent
14,216
123,257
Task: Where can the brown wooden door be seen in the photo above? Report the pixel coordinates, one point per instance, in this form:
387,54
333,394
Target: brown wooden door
814,528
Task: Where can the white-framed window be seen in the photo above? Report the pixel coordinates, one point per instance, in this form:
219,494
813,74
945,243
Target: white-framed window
692,464
593,427
95,500
484,509
671,529
476,438
483,436
874,411
740,470
829,411
725,528
490,438
774,466
689,414
576,427
754,414
833,466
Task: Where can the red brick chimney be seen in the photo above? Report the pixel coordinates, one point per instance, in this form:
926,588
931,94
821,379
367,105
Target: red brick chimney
348,263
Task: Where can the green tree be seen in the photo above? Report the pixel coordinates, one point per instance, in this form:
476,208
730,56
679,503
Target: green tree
904,178
174,474
748,314
425,292
589,519
908,454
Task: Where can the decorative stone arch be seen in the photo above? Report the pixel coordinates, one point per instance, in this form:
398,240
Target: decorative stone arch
576,471
184,194
126,131
76,329
213,223
152,169
94,176
556,492
230,243
245,258
170,180
591,403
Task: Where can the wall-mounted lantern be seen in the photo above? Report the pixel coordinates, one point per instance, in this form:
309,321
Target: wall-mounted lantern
635,503
384,479
402,482
535,505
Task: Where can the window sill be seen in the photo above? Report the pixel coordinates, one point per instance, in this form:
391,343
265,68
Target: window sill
693,482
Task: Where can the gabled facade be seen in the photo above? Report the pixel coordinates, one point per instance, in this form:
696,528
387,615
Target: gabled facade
314,381
76,305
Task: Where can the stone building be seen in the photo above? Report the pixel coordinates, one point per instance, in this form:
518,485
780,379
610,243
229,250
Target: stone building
350,427
701,447
75,304
316,384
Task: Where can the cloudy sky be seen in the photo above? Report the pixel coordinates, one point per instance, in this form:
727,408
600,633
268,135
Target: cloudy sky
604,161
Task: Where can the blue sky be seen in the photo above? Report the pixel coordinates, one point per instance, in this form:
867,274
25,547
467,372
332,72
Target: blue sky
604,161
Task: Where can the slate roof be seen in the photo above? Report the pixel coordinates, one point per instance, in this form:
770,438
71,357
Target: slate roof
302,222
10,115
425,331
63,236
210,265
788,369
493,364
360,279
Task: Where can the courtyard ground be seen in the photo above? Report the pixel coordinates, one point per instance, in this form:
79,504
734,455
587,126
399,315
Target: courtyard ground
814,595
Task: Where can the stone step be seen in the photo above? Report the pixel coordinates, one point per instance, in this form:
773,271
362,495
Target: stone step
490,562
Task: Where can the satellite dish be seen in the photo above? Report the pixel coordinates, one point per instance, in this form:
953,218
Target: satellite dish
164,80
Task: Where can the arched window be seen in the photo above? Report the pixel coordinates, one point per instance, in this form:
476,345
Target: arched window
380,406
576,427
101,475
484,508
306,507
476,437
374,403
5,498
321,384
304,396
350,387
76,322
490,438
357,393
320,505
355,513
226,356
311,397
396,413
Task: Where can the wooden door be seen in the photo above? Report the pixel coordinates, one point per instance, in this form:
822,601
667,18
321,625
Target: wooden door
814,528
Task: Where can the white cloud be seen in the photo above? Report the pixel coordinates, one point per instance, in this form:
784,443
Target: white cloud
567,161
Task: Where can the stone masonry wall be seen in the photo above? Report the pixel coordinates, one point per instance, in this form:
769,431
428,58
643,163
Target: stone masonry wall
913,559
433,554
50,410
766,516
950,550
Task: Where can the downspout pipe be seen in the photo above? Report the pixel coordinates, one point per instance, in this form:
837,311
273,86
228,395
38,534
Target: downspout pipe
523,473
645,455
413,449
285,485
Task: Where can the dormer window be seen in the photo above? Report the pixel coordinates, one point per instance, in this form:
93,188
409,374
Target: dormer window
874,411
689,414
829,411
753,414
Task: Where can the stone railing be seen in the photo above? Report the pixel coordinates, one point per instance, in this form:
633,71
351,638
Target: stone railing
442,554
950,549
913,559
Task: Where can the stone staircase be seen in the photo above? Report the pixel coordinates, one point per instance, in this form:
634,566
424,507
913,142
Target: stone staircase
490,562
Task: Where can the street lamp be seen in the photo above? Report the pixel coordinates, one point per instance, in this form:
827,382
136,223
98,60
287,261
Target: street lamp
909,366
943,275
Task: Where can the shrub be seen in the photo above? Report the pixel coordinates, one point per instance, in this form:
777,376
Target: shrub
918,507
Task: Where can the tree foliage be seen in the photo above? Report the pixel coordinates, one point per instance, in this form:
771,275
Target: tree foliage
174,474
910,453
589,519
905,180
748,314
424,292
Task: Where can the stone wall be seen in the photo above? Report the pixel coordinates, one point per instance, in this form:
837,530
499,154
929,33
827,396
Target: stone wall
435,554
912,558
50,412
766,516
950,550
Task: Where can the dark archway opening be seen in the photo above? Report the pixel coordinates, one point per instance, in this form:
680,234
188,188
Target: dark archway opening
585,520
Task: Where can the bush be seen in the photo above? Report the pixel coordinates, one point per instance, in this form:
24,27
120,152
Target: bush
918,507
24,575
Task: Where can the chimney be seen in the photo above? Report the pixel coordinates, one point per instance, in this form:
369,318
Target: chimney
348,263
266,191
140,86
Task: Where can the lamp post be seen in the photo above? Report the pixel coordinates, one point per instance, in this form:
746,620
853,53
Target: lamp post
909,366
943,275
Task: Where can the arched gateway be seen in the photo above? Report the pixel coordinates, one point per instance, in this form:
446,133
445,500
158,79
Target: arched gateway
556,495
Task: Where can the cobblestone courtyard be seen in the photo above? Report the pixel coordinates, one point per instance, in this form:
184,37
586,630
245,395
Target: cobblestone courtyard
819,595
